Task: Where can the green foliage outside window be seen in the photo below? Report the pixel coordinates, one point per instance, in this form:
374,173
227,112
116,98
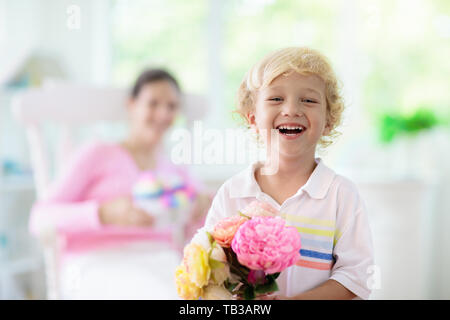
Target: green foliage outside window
401,48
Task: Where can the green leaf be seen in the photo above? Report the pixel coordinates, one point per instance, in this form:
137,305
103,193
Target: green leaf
270,286
213,245
210,237
249,293
275,275
230,286
215,264
243,215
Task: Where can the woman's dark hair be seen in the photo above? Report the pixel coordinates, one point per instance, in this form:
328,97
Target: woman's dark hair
152,75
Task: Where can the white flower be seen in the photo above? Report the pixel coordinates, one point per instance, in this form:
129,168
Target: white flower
201,238
220,271
213,292
219,275
218,254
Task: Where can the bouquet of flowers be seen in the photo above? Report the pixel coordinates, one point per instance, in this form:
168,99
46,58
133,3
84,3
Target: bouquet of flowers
241,258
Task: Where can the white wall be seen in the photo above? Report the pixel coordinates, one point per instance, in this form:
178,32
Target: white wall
40,27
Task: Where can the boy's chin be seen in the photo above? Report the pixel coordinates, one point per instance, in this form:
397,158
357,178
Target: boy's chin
292,152
296,150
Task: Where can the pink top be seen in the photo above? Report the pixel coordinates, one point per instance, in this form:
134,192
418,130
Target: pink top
99,172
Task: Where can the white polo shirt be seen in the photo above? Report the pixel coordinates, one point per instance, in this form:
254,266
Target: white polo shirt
331,218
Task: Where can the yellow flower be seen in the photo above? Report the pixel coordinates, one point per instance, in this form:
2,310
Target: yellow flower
196,260
185,288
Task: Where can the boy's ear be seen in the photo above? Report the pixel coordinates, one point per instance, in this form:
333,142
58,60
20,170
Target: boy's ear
327,129
251,119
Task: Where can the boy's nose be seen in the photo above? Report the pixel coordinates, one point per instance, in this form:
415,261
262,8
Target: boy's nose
291,108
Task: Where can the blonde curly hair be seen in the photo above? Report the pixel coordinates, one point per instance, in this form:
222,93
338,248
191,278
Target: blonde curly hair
304,61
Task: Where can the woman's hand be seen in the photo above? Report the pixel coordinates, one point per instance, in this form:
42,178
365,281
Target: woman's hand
121,212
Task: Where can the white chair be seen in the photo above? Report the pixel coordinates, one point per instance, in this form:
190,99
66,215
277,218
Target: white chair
70,107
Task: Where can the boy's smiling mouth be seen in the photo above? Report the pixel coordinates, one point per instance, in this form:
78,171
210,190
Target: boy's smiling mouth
291,130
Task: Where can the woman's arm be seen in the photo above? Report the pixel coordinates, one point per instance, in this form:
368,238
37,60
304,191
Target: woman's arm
64,207
78,216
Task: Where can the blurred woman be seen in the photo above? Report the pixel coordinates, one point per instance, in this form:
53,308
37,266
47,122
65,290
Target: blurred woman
91,206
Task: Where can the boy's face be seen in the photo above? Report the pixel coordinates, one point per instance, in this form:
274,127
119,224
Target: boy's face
295,106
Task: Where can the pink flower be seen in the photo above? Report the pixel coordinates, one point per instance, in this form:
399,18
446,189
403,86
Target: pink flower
260,209
256,277
225,230
266,243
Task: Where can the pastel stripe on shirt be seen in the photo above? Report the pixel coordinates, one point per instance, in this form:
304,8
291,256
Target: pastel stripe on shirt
317,237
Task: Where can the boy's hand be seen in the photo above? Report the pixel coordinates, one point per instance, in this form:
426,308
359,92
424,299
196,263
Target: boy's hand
269,296
281,297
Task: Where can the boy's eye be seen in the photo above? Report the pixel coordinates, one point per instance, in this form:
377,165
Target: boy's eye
309,101
276,99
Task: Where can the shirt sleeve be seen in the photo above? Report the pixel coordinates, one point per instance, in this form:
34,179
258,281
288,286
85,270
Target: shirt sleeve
64,207
353,249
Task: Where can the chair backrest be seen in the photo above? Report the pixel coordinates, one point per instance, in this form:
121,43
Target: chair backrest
71,107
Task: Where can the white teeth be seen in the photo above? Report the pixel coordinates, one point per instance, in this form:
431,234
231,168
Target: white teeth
291,128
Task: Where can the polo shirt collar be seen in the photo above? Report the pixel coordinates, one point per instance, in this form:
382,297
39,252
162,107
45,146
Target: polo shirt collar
244,183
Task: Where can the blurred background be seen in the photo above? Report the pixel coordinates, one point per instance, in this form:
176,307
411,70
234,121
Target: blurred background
392,58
